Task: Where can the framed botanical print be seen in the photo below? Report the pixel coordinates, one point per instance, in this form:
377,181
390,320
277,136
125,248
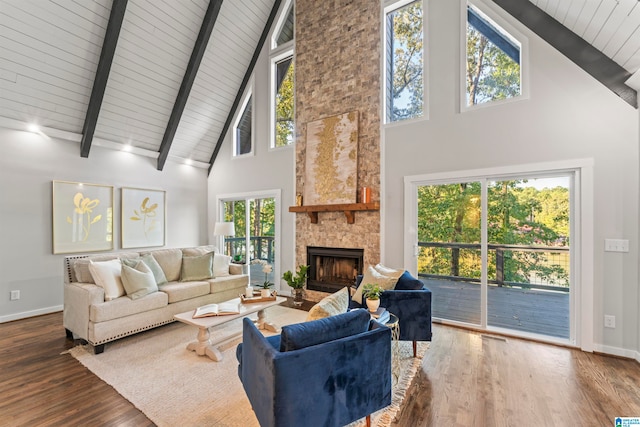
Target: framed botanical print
82,217
143,217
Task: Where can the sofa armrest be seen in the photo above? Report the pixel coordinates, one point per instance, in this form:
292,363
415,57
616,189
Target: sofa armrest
413,309
236,269
78,298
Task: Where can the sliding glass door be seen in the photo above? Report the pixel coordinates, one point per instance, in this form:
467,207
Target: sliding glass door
495,252
255,224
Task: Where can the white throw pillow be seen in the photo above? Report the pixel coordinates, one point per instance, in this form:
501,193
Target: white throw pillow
371,275
138,281
106,274
221,265
391,272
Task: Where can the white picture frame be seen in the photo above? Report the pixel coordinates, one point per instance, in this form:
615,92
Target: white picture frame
143,218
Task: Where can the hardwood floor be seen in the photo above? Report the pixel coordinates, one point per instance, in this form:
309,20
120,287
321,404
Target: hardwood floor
474,379
467,379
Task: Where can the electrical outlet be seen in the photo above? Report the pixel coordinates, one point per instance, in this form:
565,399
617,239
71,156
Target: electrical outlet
609,321
15,295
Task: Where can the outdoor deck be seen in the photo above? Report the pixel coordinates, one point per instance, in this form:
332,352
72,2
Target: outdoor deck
528,310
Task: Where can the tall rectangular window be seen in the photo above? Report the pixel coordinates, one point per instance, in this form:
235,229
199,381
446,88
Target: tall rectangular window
284,85
493,61
404,55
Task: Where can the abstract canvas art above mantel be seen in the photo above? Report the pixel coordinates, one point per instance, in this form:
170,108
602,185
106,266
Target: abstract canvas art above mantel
331,164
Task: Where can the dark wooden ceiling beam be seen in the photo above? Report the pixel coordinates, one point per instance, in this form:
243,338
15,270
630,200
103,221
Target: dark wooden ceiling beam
197,54
245,81
587,57
118,8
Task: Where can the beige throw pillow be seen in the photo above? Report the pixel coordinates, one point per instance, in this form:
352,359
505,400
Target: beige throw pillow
138,281
331,305
221,265
106,274
371,275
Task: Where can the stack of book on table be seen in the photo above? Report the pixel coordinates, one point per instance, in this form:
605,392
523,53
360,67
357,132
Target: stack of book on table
381,315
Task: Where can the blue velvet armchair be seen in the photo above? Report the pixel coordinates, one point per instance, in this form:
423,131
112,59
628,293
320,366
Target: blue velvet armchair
411,302
326,372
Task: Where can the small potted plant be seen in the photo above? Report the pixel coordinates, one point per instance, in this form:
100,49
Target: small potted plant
372,292
266,285
297,282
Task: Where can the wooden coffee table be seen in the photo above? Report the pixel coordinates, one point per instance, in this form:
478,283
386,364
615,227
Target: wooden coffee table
203,346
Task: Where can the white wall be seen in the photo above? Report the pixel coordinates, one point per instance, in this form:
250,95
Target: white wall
266,169
28,165
569,116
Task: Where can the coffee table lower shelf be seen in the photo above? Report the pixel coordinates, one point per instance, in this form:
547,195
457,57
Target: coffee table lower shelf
204,346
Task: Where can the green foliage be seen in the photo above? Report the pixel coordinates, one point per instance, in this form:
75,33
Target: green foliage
517,215
372,291
298,281
405,62
285,109
491,74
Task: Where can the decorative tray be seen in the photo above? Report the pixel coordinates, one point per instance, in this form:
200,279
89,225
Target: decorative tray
257,298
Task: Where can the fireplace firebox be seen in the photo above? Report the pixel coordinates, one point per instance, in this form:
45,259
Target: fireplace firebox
331,269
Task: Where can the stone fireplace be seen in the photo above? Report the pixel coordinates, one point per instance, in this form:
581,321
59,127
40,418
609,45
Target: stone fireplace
336,75
331,269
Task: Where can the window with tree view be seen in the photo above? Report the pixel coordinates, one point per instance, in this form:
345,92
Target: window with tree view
284,102
493,61
404,62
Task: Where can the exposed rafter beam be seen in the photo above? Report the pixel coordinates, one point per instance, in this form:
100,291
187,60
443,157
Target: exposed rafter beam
587,57
118,8
199,49
245,81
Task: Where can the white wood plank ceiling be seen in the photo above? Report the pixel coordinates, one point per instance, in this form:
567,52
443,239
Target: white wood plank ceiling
49,54
50,49
611,26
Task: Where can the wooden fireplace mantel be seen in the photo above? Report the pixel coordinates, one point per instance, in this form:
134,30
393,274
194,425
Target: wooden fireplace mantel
349,210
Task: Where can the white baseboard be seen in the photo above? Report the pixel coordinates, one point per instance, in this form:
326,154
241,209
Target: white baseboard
25,314
617,351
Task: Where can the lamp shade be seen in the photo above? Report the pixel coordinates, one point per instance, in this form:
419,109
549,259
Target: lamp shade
224,229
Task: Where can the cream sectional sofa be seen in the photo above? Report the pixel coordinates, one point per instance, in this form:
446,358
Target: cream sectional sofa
91,317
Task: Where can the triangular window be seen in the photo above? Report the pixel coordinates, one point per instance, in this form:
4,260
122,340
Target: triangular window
493,69
243,142
286,29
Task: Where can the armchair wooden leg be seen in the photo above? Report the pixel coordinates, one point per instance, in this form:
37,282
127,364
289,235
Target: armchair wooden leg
415,347
368,420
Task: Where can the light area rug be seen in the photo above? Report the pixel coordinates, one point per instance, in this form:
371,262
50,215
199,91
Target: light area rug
173,386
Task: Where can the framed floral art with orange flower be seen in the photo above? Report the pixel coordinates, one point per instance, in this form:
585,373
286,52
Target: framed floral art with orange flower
142,218
82,217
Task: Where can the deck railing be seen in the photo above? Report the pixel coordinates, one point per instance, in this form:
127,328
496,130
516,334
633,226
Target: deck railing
261,247
505,254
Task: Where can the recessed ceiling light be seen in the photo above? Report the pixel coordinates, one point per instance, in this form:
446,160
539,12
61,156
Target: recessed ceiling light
188,162
33,128
126,147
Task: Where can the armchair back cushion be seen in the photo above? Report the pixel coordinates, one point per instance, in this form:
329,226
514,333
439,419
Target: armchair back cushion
407,282
306,334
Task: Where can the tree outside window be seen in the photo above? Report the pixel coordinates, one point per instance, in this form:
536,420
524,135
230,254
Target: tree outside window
493,61
284,103
404,63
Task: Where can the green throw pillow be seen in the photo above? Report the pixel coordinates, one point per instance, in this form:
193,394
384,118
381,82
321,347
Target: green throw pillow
197,267
153,265
155,268
138,281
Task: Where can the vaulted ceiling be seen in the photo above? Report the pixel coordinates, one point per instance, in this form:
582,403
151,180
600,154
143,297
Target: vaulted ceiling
164,77
50,53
